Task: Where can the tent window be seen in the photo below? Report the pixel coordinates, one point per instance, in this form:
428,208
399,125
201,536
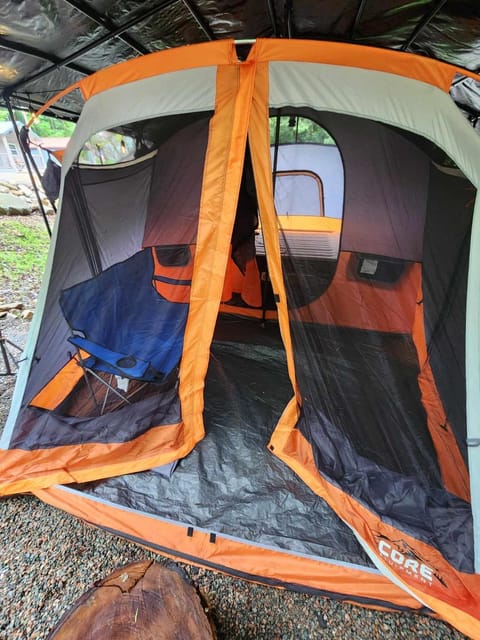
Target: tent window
308,181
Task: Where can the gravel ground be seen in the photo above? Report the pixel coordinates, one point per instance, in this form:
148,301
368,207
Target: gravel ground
49,558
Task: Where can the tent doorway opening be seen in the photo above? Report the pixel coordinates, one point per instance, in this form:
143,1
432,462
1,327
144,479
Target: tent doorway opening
231,483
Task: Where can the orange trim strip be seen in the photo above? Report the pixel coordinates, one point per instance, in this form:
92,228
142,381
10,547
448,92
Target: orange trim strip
221,184
408,65
230,554
55,98
23,471
454,471
259,138
207,54
452,594
222,52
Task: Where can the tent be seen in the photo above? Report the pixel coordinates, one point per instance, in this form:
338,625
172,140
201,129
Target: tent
256,342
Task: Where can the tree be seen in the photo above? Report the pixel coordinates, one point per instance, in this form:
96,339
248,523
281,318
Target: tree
44,126
295,129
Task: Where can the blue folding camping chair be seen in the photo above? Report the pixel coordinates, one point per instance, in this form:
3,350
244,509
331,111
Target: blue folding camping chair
124,326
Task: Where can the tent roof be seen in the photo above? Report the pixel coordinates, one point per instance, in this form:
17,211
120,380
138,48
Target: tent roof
46,46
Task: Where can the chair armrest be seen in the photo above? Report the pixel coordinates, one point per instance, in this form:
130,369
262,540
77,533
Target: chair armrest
121,363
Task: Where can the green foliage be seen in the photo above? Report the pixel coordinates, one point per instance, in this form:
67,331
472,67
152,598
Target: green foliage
294,129
23,254
45,127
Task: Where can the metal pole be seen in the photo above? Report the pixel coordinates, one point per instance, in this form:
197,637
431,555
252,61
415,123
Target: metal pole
138,17
358,17
27,164
429,16
196,15
107,24
273,17
37,171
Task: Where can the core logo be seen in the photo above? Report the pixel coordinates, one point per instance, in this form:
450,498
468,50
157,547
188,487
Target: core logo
399,555
410,565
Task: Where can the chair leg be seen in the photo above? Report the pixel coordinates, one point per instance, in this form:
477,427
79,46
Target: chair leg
89,386
7,355
124,397
87,370
107,391
112,389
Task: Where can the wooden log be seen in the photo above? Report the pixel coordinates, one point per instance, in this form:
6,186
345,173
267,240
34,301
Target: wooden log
142,601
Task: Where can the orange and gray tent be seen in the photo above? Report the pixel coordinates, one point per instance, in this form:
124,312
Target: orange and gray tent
256,345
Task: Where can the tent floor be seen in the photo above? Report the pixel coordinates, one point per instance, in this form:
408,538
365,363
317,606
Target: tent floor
231,484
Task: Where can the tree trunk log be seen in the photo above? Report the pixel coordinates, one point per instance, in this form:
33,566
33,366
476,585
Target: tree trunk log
142,601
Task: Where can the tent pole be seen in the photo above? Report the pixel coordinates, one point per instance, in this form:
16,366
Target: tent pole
472,371
41,55
54,111
358,17
422,25
273,17
107,24
289,18
27,164
199,19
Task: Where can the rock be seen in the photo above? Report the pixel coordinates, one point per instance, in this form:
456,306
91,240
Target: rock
21,199
11,205
24,190
11,316
11,305
27,314
14,211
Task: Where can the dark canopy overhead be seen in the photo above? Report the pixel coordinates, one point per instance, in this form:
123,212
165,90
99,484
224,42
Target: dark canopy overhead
46,46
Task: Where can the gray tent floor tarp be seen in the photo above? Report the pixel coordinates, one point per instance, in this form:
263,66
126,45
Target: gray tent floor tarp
230,483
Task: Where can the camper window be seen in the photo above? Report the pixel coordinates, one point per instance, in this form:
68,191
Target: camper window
298,193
